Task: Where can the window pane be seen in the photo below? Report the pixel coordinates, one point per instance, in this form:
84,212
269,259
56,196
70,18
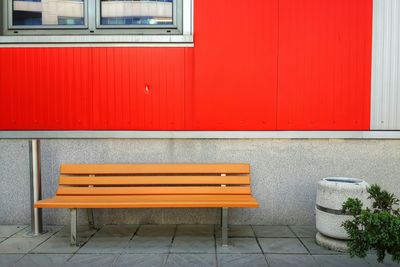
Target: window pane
137,12
48,12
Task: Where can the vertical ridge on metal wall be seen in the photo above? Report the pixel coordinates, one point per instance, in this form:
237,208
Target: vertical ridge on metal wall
385,100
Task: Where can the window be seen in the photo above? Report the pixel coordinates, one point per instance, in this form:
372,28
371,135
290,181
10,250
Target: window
138,13
96,17
37,14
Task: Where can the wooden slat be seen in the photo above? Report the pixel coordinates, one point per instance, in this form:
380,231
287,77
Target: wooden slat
154,168
154,180
154,190
149,202
162,197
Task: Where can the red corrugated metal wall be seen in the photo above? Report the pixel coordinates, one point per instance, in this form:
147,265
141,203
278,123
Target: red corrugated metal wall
324,64
256,65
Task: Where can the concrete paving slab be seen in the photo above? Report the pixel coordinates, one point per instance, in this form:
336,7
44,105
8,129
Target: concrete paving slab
57,245
195,230
304,230
280,260
236,231
105,245
92,260
387,262
83,231
282,245
241,260
239,245
156,230
117,231
43,260
187,244
192,260
19,245
48,231
141,260
193,245
316,249
273,231
339,261
7,260
149,244
9,230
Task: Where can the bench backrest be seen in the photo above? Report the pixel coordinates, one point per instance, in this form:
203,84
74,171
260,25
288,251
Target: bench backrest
154,179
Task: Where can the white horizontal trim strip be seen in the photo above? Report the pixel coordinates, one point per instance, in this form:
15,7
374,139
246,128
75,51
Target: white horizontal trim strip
96,40
60,45
200,134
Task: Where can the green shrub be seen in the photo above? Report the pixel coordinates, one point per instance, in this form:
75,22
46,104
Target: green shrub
377,228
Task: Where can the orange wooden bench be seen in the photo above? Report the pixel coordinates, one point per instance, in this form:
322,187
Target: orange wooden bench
95,186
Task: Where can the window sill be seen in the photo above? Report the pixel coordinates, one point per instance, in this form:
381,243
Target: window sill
97,41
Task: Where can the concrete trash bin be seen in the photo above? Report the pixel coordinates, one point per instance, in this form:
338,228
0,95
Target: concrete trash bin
331,194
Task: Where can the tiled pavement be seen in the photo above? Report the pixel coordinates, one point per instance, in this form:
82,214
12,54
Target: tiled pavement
170,245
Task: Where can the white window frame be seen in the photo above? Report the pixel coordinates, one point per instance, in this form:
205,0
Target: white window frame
180,35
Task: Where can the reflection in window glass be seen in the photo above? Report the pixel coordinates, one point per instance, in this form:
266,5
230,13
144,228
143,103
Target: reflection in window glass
136,12
48,12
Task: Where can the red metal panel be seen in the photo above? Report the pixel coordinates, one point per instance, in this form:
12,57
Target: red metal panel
92,89
324,64
234,65
256,65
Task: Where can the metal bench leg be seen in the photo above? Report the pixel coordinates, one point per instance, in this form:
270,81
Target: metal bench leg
74,219
91,218
224,230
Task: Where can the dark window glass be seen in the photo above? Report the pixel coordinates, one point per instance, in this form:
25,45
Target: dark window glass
48,12
136,12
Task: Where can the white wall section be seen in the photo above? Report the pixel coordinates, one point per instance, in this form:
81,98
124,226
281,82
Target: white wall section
385,98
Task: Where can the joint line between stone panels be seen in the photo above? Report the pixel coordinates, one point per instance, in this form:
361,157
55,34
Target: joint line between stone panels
135,233
172,242
215,247
301,241
258,242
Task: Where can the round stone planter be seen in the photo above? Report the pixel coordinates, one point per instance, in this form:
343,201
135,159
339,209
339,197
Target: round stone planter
332,193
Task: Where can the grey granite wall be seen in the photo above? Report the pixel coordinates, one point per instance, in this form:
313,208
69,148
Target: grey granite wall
284,174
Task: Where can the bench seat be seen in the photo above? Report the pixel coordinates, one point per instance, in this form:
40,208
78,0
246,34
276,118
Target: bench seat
112,186
154,201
